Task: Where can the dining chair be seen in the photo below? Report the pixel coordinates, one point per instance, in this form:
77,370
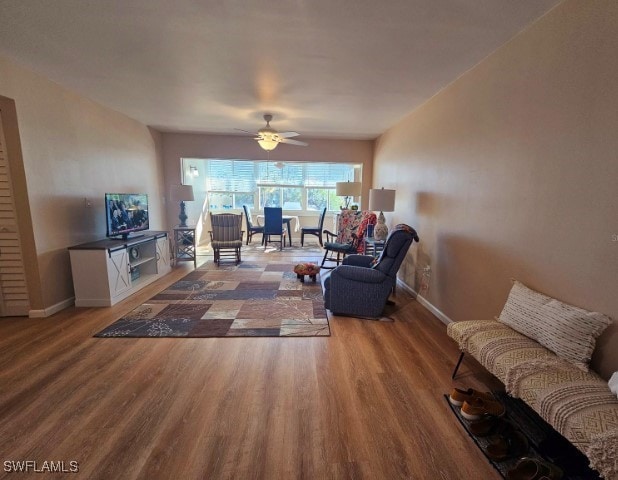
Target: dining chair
226,236
317,231
273,226
251,229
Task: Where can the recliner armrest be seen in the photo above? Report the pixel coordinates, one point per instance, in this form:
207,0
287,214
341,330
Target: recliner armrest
358,274
358,260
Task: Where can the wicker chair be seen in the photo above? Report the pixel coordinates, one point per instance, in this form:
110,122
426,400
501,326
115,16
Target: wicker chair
361,286
351,228
226,236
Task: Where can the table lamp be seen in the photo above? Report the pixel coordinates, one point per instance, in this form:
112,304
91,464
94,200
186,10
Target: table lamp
348,190
182,194
384,201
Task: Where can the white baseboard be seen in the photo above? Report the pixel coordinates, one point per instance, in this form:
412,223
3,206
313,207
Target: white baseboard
425,303
51,310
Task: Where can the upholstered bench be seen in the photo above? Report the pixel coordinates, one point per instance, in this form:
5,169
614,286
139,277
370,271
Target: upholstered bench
558,386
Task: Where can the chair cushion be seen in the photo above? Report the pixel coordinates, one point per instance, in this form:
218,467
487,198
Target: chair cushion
340,247
570,332
226,243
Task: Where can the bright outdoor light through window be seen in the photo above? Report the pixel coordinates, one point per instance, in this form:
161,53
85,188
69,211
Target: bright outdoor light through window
294,186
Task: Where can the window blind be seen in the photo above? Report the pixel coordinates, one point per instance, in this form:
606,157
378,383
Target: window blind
236,175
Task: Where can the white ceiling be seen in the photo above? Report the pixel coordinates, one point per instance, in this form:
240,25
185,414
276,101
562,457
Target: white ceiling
324,68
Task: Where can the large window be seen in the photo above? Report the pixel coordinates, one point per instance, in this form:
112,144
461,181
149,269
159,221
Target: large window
294,186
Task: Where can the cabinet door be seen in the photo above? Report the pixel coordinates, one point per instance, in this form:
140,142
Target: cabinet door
163,255
118,272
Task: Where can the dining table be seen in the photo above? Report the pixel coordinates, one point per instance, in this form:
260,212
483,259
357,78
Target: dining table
287,221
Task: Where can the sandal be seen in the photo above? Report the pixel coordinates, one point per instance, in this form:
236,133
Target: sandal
534,469
512,444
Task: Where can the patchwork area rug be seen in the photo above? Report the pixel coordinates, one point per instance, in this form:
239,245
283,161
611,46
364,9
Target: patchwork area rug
251,299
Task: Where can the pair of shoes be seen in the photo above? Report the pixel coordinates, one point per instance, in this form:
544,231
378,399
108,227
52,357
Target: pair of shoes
458,396
534,469
507,445
490,426
478,407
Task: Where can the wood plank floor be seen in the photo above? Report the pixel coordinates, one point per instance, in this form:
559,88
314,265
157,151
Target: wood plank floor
365,403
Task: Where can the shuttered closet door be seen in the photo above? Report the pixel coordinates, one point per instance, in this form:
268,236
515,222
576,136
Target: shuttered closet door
13,288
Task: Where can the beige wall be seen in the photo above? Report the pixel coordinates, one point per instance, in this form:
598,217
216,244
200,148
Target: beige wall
73,148
511,171
182,145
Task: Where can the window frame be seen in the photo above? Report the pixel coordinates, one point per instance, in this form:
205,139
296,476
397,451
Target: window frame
307,183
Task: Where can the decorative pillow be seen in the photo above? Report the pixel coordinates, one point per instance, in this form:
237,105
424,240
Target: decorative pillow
570,332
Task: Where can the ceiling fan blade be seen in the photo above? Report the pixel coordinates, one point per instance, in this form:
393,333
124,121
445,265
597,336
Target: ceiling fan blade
288,134
246,131
293,142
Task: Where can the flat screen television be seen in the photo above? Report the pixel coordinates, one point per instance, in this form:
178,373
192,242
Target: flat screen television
126,214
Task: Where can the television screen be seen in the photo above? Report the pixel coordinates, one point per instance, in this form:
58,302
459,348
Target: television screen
126,213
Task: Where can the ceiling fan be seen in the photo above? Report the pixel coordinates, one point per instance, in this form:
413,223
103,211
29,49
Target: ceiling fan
269,138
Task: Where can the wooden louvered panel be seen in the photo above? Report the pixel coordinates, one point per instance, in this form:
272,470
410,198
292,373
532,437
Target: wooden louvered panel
13,279
18,270
10,250
12,256
7,263
10,291
14,299
8,240
14,287
17,305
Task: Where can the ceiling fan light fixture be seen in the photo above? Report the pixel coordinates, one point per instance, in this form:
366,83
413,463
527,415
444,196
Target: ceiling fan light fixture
268,144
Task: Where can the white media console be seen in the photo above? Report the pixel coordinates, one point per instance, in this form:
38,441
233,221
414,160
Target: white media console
107,271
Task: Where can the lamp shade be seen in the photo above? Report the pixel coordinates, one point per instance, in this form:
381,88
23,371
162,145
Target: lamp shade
182,193
348,189
382,200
